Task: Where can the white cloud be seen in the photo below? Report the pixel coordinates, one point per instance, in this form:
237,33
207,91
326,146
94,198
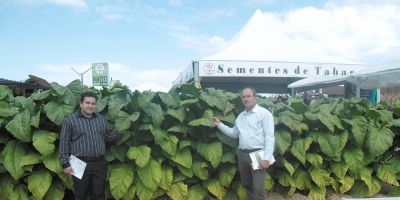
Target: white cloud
110,12
134,78
78,4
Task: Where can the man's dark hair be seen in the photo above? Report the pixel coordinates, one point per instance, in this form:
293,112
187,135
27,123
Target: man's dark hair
252,90
88,94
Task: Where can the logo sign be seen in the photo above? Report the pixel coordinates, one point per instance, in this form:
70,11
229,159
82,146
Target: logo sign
209,68
100,74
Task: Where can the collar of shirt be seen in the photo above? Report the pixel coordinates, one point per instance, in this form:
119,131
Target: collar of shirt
255,109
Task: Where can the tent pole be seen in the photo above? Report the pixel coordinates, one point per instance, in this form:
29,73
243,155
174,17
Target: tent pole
378,95
196,78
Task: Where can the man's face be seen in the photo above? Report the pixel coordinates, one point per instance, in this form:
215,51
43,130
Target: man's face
88,106
248,99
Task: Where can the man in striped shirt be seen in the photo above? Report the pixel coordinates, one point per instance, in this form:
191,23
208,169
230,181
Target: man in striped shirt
84,134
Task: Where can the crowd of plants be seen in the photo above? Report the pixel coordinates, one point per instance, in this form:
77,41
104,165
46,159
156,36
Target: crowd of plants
170,148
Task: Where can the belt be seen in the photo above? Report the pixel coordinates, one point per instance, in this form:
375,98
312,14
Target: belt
249,150
89,158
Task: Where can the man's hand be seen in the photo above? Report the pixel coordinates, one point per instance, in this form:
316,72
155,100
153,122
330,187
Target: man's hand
68,170
264,164
216,121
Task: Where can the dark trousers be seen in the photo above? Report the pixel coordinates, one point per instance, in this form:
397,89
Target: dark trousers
252,180
93,182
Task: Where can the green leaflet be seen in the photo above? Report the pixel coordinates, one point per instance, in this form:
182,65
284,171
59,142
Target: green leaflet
43,141
226,175
205,120
155,112
168,143
347,182
211,152
169,100
143,192
200,170
299,148
39,182
20,126
183,157
150,175
167,178
215,187
283,140
140,154
13,153
332,144
197,192
124,120
379,140
52,162
178,191
121,178
179,113
56,112
55,192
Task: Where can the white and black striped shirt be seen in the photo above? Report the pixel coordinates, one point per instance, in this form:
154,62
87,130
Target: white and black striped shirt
84,137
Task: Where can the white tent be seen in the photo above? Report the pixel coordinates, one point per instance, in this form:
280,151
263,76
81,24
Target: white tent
252,59
372,77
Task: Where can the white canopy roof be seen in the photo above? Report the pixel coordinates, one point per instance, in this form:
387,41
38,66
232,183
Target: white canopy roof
375,76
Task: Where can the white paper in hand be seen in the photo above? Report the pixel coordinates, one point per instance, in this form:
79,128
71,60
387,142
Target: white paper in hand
78,166
256,158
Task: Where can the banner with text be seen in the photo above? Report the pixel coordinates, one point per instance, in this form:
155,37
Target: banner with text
100,74
226,68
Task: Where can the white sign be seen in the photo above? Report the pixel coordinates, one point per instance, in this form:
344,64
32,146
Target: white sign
209,68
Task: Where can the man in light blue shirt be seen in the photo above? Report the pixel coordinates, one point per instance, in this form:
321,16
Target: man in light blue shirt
255,129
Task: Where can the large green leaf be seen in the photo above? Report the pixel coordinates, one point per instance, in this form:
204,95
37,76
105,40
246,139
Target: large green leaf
124,120
179,114
289,167
20,126
359,129
347,182
52,162
56,191
188,172
315,159
143,192
354,158
226,175
151,174
180,128
332,144
320,176
299,148
39,182
167,178
205,120
121,178
215,188
339,169
43,141
56,112
385,174
119,152
302,179
168,143
211,152
232,142
240,190
7,110
146,97
317,193
141,154
5,92
379,140
293,121
214,97
20,193
155,112
68,93
229,157
7,185
200,170
12,154
197,192
30,159
183,157
178,191
283,140
130,194
40,95
35,119
285,179
169,100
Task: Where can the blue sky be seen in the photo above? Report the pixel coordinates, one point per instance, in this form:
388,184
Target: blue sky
147,43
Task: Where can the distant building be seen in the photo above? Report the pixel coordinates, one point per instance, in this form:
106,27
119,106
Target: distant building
27,87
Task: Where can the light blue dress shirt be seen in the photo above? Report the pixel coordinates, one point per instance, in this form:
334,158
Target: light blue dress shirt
255,129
